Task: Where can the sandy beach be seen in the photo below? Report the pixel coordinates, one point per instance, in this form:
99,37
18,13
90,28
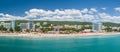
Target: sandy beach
57,35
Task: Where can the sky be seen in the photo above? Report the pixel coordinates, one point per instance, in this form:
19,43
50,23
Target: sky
61,10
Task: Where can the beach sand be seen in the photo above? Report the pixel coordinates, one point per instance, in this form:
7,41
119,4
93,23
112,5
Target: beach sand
57,35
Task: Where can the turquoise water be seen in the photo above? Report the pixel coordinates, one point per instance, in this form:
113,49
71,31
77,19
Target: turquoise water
65,44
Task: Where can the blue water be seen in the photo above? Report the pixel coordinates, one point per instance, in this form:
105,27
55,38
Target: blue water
65,44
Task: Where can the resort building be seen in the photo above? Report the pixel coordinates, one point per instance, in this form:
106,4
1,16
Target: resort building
73,26
38,24
31,26
70,26
79,26
87,30
56,30
13,24
87,25
7,25
97,26
23,26
44,23
2,23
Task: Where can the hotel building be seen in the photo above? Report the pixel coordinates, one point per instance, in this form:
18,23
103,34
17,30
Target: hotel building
13,24
25,26
7,25
97,26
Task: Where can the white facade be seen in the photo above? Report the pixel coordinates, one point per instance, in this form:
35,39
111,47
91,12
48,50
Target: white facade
38,24
7,25
44,23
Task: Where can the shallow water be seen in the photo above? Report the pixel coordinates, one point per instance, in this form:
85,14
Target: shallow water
64,44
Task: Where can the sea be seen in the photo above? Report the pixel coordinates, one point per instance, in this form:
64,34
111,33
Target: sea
109,43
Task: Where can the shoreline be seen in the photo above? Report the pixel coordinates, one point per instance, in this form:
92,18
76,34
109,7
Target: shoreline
57,35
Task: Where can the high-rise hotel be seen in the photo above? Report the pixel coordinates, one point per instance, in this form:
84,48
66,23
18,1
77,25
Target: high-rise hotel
97,26
13,24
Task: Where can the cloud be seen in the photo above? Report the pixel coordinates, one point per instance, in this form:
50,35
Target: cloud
103,8
55,14
89,15
37,12
92,10
108,18
85,10
5,17
62,15
117,9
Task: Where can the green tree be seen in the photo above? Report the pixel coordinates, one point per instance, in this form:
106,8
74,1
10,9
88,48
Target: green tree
46,25
68,30
115,30
27,30
17,28
46,29
11,30
108,29
78,30
2,28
